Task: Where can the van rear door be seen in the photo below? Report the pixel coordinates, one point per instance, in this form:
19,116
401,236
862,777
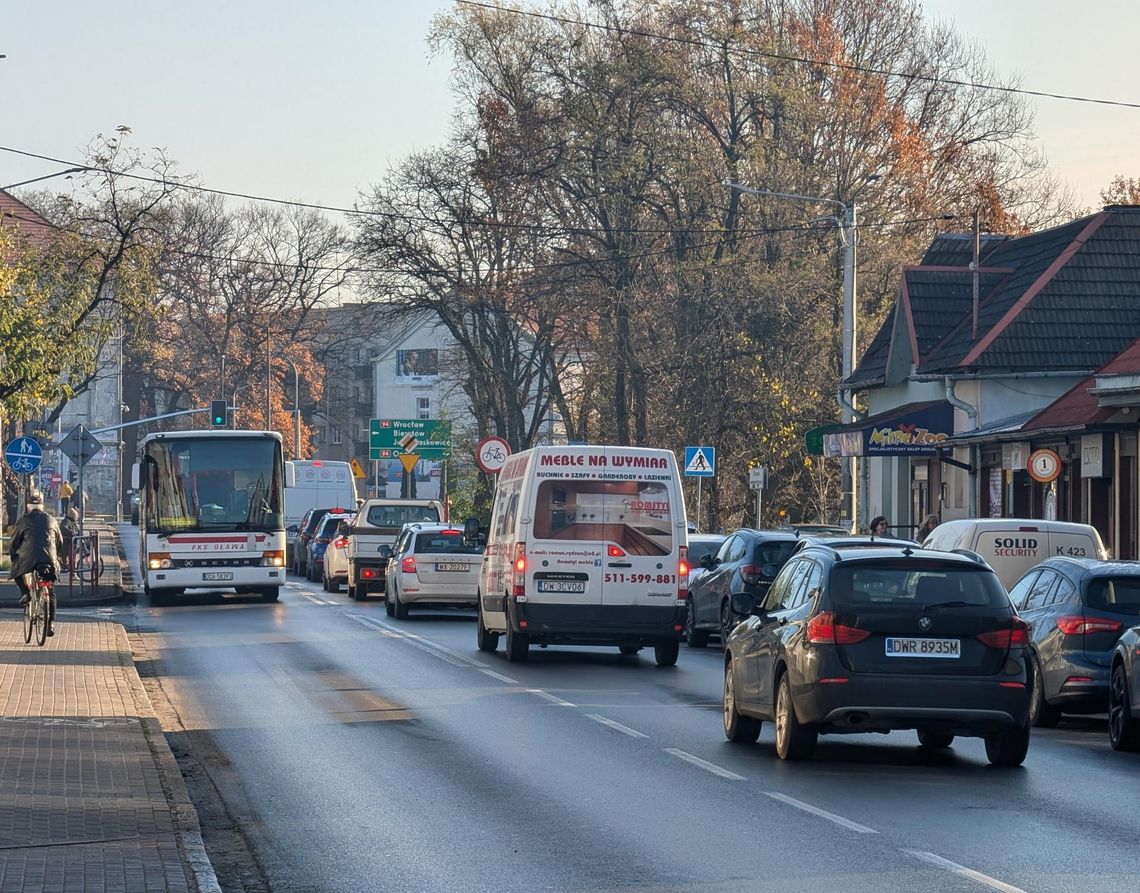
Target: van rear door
1072,544
640,533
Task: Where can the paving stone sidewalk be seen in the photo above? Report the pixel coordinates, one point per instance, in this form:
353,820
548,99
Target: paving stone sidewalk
90,796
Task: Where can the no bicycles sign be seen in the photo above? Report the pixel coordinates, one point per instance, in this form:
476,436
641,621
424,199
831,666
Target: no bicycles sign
491,454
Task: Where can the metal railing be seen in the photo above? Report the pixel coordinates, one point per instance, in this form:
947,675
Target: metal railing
84,564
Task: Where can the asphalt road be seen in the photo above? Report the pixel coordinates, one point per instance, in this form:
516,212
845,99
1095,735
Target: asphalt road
361,753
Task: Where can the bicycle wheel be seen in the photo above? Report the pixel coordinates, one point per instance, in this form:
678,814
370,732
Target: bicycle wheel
43,606
29,618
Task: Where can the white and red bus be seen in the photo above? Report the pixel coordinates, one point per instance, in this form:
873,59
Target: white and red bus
211,512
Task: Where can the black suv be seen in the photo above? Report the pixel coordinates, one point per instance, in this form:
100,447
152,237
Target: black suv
746,562
871,640
1077,609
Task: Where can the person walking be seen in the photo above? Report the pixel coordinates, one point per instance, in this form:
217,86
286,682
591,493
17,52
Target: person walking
69,528
879,526
926,527
35,545
65,492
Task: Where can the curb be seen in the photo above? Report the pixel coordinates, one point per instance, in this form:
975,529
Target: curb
185,817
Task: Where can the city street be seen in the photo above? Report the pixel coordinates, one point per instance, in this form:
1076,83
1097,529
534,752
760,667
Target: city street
356,752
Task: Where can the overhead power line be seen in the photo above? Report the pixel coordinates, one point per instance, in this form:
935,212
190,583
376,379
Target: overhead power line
802,60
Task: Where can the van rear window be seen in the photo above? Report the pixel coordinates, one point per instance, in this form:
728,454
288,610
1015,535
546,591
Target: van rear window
636,515
1120,595
399,515
899,585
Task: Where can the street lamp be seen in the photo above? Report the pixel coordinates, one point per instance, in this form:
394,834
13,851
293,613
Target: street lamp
296,411
70,170
848,229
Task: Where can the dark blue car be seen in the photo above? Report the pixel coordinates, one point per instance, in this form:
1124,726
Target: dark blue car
324,534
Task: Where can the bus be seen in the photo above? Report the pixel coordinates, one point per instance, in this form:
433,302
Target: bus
211,512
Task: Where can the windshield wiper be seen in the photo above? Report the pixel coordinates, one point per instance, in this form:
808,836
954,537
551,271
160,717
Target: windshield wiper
953,604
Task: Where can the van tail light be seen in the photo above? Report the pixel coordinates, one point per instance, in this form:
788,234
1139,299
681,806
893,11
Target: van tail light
518,590
1015,636
823,630
750,574
408,565
1079,625
683,575
615,552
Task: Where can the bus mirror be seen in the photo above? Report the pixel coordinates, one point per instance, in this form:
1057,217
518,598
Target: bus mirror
136,475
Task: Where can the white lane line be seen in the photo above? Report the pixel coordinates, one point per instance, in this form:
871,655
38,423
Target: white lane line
617,726
962,871
822,813
554,699
708,767
499,676
420,642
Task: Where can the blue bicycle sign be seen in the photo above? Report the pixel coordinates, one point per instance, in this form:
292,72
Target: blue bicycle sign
23,455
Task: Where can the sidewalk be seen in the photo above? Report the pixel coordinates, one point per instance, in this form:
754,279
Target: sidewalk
68,590
90,796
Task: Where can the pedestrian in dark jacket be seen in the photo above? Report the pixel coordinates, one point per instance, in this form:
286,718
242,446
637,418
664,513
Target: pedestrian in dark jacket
69,528
35,545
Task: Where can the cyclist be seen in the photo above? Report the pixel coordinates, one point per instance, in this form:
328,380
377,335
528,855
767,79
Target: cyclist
35,545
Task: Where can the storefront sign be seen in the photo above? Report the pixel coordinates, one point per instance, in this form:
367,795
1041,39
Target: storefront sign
912,430
1044,466
995,492
1014,455
1092,456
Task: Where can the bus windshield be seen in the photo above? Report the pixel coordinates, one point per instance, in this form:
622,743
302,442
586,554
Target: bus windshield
213,484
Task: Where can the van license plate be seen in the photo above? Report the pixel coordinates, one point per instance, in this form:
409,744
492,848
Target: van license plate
452,566
911,647
218,576
560,585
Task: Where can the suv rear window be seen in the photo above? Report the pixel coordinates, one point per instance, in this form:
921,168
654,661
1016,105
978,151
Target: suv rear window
1120,595
899,584
777,552
399,515
444,542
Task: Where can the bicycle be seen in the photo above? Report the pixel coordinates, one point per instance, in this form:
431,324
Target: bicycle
38,610
83,562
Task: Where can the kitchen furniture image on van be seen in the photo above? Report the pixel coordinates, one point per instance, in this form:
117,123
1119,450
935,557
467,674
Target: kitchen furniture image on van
587,546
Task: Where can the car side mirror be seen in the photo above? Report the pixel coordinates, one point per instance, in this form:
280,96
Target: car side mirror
708,562
745,604
384,550
471,533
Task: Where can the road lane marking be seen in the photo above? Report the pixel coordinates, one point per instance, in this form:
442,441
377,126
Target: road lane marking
822,813
962,871
498,676
617,726
702,764
444,654
554,699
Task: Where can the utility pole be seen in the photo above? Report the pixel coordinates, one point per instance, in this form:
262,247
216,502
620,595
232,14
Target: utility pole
296,411
268,383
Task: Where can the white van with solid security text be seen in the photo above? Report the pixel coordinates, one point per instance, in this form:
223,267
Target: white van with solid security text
587,546
1011,546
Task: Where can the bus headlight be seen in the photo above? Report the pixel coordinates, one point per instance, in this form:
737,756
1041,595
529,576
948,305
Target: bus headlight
159,561
273,559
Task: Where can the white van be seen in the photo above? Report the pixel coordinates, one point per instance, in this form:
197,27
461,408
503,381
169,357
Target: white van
315,484
587,546
1011,546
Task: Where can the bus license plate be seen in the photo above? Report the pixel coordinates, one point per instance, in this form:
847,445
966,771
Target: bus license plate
217,576
560,585
452,566
950,649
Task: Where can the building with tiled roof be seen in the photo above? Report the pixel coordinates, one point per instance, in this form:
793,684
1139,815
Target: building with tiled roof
28,226
1022,347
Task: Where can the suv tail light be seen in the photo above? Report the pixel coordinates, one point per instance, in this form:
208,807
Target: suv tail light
683,575
408,565
518,590
341,542
750,574
1016,636
823,630
1079,625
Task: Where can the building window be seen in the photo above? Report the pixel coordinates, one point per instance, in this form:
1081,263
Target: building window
335,434
423,407
415,363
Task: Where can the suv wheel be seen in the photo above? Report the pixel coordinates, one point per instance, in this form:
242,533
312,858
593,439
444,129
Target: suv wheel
399,608
737,728
727,623
1123,727
1008,748
696,638
793,740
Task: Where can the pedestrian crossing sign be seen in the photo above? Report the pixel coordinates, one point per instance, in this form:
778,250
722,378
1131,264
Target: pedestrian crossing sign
700,461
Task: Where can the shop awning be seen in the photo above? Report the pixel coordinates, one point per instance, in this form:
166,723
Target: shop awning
913,429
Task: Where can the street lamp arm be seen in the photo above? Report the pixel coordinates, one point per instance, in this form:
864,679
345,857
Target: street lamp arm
70,170
793,196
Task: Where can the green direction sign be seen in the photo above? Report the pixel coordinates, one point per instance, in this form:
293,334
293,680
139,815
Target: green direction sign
813,439
428,438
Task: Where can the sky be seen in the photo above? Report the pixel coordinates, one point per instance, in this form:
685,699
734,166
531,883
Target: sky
313,102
